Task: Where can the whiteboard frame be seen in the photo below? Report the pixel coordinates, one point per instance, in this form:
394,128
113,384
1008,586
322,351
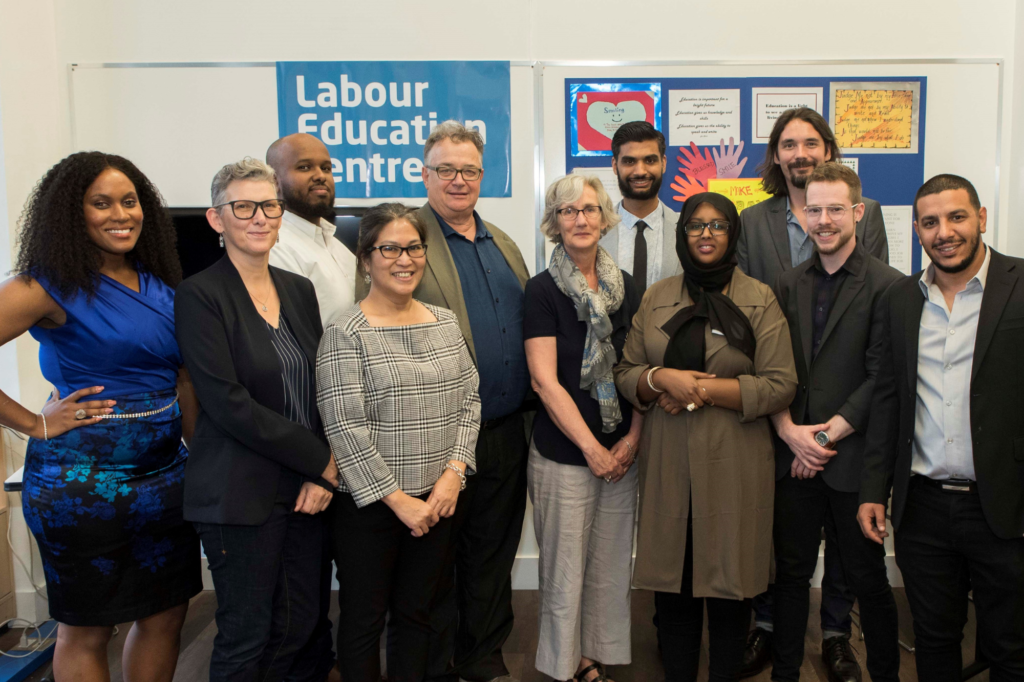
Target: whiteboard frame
539,66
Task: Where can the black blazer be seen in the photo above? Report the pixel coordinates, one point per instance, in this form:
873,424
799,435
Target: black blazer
242,439
997,399
841,377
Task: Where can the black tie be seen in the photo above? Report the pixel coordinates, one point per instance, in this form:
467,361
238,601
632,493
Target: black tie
640,258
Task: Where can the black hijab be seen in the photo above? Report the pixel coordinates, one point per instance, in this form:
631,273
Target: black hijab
686,348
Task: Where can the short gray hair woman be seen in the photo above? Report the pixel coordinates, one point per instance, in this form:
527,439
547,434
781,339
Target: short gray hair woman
580,473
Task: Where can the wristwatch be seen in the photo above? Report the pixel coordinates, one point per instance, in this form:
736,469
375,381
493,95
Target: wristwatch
822,439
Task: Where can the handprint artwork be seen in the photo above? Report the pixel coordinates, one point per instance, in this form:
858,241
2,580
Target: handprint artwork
697,168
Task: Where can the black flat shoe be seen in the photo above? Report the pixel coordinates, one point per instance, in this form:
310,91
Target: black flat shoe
840,661
758,654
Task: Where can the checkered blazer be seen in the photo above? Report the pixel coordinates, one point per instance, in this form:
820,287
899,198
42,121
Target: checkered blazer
397,403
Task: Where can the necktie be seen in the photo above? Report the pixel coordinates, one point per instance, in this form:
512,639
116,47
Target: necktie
640,258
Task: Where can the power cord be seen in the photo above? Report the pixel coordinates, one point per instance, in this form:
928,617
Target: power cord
27,626
40,589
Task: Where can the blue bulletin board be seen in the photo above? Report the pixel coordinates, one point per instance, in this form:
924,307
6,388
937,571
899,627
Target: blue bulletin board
716,130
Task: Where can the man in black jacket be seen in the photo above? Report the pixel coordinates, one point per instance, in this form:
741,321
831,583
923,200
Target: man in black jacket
831,303
947,438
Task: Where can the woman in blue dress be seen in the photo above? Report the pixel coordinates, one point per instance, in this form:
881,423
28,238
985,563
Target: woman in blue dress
105,462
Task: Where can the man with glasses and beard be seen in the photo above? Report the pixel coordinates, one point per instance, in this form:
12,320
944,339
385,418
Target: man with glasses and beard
307,246
946,437
644,243
773,239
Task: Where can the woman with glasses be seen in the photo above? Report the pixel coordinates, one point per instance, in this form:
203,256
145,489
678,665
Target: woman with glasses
102,487
260,469
397,389
586,437
711,347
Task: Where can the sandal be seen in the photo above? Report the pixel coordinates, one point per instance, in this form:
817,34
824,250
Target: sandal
581,676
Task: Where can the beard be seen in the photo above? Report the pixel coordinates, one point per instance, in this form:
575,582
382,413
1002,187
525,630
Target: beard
800,181
973,244
843,240
629,193
321,208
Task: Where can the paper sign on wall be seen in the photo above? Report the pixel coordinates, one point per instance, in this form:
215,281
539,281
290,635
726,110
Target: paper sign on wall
743,192
769,103
875,117
899,231
703,117
598,110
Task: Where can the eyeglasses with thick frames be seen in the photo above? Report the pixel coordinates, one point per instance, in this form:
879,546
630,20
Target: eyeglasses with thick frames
813,213
697,229
392,252
568,214
469,173
243,209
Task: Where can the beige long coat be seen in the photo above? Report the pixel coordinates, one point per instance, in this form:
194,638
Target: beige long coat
725,458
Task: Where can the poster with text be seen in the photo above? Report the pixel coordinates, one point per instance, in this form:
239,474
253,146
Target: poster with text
599,109
375,116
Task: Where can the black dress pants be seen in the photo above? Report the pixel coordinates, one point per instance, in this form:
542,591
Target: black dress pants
472,614
680,622
801,508
382,568
944,547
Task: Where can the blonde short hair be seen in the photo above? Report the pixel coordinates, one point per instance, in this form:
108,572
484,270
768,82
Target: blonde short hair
569,189
246,169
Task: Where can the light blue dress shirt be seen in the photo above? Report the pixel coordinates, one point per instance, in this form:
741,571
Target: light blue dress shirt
800,245
942,446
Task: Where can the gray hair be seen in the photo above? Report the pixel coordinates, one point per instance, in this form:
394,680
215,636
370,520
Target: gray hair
567,190
457,133
246,169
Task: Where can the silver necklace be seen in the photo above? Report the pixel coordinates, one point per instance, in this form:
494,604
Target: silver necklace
253,297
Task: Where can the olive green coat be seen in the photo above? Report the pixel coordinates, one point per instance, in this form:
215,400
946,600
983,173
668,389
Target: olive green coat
724,458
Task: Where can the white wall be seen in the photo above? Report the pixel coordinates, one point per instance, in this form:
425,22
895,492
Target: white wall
38,39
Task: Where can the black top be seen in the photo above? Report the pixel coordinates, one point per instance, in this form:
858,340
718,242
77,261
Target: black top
296,376
243,441
826,288
549,312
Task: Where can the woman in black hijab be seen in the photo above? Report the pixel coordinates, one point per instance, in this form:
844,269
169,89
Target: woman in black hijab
712,348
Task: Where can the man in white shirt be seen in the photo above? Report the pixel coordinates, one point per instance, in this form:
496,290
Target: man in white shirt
644,243
307,246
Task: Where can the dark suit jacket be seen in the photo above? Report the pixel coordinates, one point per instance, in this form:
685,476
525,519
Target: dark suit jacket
841,377
441,285
242,439
997,399
763,245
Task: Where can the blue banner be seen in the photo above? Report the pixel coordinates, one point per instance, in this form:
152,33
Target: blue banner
375,116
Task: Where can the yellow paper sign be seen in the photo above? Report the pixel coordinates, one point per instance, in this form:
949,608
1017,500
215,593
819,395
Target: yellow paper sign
874,119
743,192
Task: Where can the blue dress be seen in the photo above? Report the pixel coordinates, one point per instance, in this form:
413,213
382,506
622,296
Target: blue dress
104,501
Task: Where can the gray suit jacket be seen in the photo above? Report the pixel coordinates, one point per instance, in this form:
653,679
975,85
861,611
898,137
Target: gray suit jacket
670,265
763,247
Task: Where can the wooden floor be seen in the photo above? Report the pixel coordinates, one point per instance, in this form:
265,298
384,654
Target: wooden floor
199,631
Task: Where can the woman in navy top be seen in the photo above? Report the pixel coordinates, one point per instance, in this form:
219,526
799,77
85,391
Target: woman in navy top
104,466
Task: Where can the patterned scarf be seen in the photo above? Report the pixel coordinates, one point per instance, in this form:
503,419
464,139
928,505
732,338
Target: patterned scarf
594,307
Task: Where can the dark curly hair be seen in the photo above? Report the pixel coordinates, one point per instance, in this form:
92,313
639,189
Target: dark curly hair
54,241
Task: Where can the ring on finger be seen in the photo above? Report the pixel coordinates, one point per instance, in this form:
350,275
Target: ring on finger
691,407
607,479
79,414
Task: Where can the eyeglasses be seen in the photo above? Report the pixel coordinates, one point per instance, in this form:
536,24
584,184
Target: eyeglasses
392,252
834,212
697,229
243,209
469,174
569,213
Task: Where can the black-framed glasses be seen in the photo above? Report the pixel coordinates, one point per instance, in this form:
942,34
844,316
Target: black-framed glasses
243,209
569,213
469,173
392,252
697,229
834,212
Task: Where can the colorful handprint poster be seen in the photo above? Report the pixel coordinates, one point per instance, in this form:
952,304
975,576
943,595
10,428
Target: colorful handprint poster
697,169
597,110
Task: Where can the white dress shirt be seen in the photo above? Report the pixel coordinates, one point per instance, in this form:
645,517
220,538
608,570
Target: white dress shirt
654,237
312,251
942,446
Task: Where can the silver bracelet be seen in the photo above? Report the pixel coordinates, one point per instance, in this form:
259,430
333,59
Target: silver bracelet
46,434
651,383
457,470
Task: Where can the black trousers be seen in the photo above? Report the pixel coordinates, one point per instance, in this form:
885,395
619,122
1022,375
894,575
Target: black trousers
317,658
267,580
472,614
382,568
680,622
801,508
944,547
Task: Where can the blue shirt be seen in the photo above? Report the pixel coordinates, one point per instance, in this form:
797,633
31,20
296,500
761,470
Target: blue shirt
494,302
800,245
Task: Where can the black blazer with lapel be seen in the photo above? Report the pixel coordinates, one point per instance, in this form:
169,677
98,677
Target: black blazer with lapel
997,399
763,245
242,439
841,377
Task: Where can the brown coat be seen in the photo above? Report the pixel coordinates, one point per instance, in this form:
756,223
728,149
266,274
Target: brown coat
725,458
